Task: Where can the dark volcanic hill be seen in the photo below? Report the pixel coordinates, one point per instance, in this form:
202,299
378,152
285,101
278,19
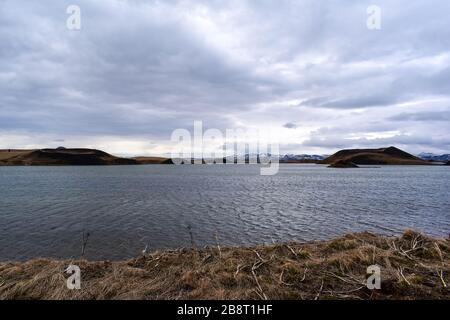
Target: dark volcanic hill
61,156
391,155
153,160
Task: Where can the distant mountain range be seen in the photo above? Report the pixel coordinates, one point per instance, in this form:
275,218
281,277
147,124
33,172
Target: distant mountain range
314,157
434,157
294,157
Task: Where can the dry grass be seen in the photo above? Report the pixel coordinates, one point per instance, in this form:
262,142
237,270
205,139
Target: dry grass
9,153
412,267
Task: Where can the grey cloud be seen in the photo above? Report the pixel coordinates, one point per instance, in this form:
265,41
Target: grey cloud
440,116
145,68
351,103
414,144
290,125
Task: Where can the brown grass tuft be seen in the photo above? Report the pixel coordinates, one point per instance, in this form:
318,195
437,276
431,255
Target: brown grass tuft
413,266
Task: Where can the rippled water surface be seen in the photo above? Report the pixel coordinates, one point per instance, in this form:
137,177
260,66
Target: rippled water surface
44,210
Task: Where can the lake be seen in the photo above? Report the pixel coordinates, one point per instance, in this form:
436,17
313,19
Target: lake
45,210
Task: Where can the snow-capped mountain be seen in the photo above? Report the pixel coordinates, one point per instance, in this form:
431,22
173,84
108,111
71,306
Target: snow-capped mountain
434,157
288,157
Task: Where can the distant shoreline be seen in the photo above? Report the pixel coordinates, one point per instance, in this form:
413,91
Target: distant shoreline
81,156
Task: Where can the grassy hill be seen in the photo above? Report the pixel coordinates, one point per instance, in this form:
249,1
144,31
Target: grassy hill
382,156
9,153
77,156
61,156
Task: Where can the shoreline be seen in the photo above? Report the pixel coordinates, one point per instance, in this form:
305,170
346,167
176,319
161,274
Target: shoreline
62,156
413,266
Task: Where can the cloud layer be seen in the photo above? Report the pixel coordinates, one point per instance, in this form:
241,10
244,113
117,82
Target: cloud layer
309,71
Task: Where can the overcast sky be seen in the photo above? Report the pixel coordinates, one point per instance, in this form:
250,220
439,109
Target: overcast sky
309,71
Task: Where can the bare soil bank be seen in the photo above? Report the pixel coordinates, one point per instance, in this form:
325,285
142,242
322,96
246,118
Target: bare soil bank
412,267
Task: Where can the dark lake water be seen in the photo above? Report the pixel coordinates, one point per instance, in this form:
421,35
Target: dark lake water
44,210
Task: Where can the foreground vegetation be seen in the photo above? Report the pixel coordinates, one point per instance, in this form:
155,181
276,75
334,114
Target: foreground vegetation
412,267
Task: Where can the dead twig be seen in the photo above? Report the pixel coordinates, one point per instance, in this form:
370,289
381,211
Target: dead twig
400,272
281,280
441,276
401,251
218,245
439,251
238,269
350,291
352,280
259,256
320,291
304,275
254,268
292,250
85,239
